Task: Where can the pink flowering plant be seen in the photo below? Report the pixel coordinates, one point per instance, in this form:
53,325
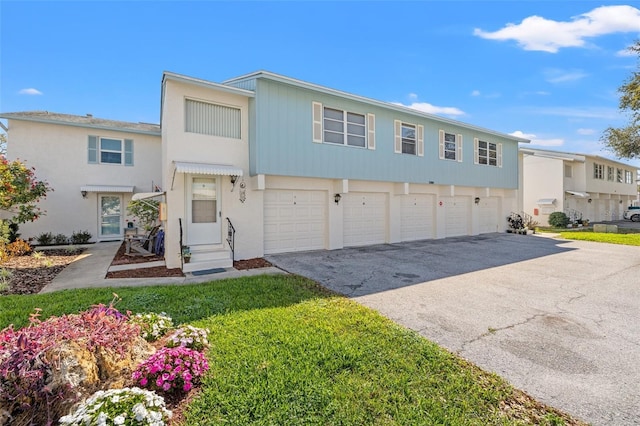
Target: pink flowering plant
171,370
190,337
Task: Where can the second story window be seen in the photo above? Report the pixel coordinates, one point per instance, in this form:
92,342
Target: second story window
610,173
109,150
568,171
409,138
619,175
628,178
345,128
340,127
488,153
450,146
598,171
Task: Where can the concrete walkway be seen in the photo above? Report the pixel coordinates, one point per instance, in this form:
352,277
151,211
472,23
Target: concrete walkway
90,268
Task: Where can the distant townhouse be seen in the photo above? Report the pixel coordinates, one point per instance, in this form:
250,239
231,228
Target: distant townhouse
586,187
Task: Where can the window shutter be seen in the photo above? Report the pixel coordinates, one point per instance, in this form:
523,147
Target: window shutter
441,144
92,150
371,131
475,151
128,152
459,148
397,146
420,141
317,122
499,155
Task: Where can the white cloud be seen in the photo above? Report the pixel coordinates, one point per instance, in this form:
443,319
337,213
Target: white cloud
432,109
30,91
538,33
535,141
413,96
561,76
585,132
625,52
582,113
475,93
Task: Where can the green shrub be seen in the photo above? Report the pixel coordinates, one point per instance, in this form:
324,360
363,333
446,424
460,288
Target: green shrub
558,220
60,239
45,239
80,237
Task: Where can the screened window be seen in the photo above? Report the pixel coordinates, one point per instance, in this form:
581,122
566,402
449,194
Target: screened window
450,147
344,128
212,119
487,153
598,171
203,200
628,178
610,173
408,139
111,151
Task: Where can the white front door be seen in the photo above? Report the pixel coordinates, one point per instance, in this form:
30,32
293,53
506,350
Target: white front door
110,216
203,210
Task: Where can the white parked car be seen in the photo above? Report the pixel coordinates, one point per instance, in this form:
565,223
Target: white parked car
632,213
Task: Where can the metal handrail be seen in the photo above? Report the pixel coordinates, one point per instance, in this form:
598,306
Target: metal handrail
231,238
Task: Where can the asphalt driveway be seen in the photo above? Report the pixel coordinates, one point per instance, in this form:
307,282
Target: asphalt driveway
558,319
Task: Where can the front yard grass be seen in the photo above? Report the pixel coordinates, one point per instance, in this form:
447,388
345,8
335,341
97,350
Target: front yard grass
284,351
630,239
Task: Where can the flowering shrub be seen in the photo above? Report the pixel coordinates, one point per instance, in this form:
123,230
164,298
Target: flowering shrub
128,406
171,370
189,337
25,371
152,326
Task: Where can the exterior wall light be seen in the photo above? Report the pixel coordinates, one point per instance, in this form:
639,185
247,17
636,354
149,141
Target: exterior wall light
589,200
337,198
84,194
233,179
477,200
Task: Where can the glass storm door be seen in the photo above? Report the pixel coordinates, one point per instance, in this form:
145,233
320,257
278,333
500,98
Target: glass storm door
110,216
203,211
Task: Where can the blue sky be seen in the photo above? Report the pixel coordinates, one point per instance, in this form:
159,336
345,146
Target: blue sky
545,70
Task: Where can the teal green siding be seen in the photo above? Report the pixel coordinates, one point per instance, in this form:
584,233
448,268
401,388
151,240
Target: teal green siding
283,133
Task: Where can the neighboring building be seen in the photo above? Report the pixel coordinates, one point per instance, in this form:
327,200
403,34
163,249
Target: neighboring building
292,166
93,166
582,186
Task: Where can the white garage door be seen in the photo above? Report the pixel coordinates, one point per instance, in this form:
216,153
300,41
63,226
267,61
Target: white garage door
365,218
294,220
416,219
456,215
488,215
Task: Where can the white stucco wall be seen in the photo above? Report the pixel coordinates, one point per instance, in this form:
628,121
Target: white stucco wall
542,178
59,154
179,145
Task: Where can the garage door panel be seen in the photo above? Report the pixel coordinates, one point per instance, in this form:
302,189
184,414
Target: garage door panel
416,218
294,220
488,215
365,219
457,217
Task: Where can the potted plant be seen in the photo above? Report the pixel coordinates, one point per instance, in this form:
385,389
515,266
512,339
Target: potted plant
186,254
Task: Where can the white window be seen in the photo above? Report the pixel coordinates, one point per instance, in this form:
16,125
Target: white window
628,178
568,171
610,173
488,153
598,171
340,127
108,150
409,138
450,146
212,119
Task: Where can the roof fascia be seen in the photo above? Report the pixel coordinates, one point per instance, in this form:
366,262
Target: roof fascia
86,126
167,75
315,87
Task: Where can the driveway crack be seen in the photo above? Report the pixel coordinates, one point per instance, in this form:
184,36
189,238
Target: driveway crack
492,331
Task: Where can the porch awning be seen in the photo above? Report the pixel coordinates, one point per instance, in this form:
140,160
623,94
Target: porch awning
106,188
578,194
546,201
146,195
207,169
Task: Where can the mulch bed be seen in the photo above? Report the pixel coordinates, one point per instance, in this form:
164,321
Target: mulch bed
256,262
30,274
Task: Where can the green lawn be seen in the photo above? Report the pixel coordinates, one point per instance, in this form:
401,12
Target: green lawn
630,239
285,352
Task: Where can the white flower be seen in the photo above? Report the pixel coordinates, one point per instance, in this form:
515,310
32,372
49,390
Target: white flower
119,420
